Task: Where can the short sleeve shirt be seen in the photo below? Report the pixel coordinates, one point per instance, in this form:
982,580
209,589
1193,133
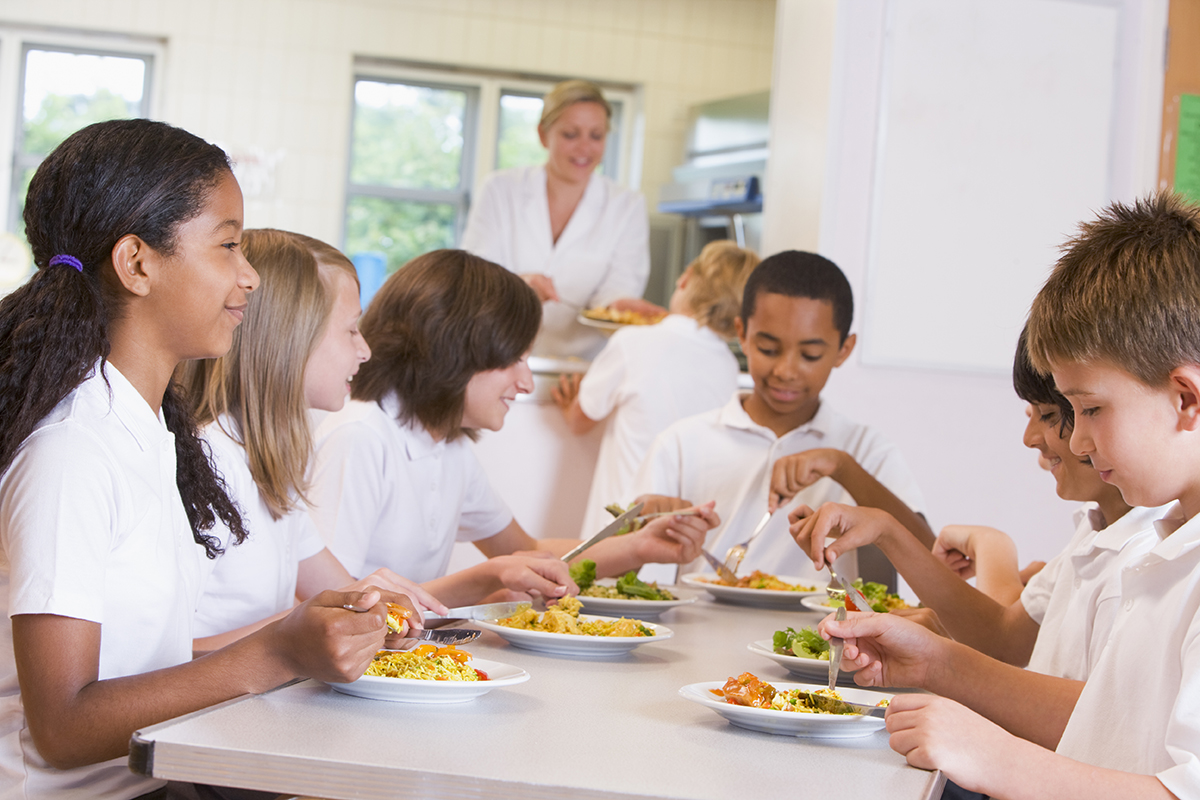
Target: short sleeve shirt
257,578
387,494
1139,711
1077,595
646,378
724,455
92,527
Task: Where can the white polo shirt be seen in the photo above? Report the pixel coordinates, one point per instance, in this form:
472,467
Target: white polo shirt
386,494
1075,597
647,377
724,455
92,527
1140,708
257,578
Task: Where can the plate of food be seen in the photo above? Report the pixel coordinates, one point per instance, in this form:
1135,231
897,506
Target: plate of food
627,595
610,319
757,589
803,653
562,630
877,594
789,709
429,674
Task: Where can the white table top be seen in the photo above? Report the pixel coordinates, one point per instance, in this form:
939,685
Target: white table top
605,728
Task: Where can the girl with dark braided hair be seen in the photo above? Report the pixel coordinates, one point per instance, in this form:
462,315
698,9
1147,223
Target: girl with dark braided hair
107,496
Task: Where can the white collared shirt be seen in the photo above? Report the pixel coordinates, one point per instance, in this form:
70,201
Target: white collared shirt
603,253
257,578
644,379
386,494
92,527
724,455
1075,597
1140,708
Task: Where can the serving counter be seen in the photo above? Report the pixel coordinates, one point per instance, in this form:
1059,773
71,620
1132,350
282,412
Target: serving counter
589,729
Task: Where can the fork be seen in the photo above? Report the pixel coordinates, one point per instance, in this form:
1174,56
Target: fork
735,554
444,635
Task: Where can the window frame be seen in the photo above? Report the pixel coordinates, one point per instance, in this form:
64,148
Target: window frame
15,43
481,128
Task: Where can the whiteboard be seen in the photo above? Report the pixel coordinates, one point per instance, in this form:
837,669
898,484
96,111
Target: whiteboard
994,140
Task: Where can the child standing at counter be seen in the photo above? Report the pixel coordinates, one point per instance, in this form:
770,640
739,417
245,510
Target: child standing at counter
648,377
782,440
396,481
298,348
107,498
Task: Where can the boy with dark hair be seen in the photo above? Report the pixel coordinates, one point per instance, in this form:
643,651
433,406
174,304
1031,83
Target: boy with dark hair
1118,326
781,443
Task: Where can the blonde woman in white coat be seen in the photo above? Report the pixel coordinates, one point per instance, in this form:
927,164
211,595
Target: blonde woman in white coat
577,238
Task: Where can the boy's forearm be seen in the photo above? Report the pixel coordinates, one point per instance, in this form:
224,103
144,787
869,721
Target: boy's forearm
970,616
1040,773
997,573
867,491
1027,704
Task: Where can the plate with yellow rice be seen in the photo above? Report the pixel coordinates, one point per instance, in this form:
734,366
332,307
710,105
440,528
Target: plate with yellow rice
430,676
562,630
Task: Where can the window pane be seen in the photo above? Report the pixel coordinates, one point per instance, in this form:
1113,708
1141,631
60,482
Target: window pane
63,92
398,229
407,136
518,144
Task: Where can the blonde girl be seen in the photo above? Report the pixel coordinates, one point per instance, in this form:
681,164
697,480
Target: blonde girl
396,481
297,349
648,377
107,501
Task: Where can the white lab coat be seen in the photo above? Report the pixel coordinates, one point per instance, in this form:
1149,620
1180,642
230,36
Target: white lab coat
603,254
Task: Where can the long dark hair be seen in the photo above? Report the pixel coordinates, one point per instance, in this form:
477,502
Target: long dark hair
105,181
437,321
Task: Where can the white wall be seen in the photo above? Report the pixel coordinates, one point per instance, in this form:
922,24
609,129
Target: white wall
960,431
275,75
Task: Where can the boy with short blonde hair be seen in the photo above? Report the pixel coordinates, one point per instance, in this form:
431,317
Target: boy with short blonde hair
1118,326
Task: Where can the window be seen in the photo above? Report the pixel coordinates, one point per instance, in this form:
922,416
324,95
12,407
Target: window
51,85
63,90
422,139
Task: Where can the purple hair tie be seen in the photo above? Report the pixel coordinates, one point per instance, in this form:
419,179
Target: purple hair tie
70,261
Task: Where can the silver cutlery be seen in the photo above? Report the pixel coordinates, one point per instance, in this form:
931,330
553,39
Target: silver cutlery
735,554
608,531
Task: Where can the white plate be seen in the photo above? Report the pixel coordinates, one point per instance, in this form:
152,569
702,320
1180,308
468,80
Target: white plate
817,603
636,608
759,598
791,723
813,669
602,324
565,644
409,690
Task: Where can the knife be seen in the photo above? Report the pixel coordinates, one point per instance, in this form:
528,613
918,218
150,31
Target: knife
723,572
485,612
826,702
835,651
861,604
608,531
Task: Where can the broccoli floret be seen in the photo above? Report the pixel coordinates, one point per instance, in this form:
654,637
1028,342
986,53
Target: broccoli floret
584,573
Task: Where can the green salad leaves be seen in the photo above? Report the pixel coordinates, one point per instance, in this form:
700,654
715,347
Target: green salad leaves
806,643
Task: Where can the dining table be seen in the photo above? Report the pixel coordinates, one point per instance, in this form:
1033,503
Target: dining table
611,726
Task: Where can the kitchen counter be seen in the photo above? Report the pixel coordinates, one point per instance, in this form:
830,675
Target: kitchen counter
591,729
